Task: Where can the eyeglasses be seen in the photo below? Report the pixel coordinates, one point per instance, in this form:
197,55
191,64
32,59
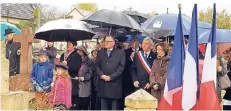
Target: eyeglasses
108,41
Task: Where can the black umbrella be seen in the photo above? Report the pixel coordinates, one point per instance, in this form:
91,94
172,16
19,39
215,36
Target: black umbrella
157,33
64,30
112,19
139,17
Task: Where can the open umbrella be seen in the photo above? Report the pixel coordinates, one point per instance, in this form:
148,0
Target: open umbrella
167,22
64,30
139,17
223,36
6,25
112,19
157,33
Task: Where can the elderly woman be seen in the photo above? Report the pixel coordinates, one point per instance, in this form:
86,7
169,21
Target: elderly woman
159,71
84,77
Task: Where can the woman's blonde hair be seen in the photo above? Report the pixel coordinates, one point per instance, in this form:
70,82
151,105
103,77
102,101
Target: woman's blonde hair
65,74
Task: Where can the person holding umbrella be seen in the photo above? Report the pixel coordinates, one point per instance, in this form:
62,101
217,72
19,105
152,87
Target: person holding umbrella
73,60
12,53
127,78
110,64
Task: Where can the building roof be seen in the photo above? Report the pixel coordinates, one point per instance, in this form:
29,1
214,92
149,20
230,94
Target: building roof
82,12
18,10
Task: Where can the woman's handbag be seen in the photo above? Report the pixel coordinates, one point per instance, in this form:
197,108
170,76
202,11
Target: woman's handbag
225,82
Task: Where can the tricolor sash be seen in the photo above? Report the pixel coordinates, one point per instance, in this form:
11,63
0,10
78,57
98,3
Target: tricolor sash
144,62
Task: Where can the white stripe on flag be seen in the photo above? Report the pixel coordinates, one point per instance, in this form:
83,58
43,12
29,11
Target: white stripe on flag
189,94
210,67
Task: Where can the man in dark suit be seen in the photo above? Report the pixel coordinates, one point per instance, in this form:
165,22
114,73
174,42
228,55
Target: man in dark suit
110,64
142,64
12,53
127,78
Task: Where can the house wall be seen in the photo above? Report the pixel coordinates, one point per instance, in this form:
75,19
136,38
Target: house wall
75,15
11,20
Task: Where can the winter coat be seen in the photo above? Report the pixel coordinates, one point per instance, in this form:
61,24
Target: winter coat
158,76
61,92
42,76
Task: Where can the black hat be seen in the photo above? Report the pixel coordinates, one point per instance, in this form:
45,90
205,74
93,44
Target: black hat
61,65
42,52
8,31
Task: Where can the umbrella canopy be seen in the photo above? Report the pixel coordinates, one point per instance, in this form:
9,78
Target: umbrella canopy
139,17
168,22
99,35
64,30
6,25
112,19
223,36
202,24
156,33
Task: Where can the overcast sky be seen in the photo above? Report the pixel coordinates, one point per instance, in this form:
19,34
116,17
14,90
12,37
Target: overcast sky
144,6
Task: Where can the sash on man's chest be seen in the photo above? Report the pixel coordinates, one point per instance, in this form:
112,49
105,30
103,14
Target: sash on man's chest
144,62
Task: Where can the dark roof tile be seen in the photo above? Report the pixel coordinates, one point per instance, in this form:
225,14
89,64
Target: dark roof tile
18,10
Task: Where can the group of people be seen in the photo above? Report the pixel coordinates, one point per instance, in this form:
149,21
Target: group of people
104,80
78,82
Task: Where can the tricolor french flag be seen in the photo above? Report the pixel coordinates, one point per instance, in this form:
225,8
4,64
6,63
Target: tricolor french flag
191,69
172,97
208,95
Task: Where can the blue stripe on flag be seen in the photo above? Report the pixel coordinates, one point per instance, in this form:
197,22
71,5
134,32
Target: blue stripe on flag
176,64
212,37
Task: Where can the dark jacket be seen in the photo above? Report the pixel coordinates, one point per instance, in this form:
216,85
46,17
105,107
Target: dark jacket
138,71
74,63
13,57
112,66
127,77
51,52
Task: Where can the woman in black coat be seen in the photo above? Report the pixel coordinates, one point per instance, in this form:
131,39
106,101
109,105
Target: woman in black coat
73,61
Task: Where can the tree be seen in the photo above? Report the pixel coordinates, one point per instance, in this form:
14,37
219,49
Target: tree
91,7
223,18
49,13
153,13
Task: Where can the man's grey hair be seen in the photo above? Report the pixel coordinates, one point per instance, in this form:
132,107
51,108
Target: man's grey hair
149,39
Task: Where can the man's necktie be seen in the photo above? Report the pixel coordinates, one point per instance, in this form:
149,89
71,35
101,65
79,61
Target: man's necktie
108,52
146,55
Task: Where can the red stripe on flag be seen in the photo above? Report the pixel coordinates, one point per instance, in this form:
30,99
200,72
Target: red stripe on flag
163,105
208,97
176,102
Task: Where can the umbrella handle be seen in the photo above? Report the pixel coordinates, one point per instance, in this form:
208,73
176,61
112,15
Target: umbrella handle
110,31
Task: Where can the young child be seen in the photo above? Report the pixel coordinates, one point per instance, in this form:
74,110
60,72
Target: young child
60,96
41,78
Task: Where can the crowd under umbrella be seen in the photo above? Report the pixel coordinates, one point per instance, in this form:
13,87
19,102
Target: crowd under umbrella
112,20
64,30
6,25
168,22
139,17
